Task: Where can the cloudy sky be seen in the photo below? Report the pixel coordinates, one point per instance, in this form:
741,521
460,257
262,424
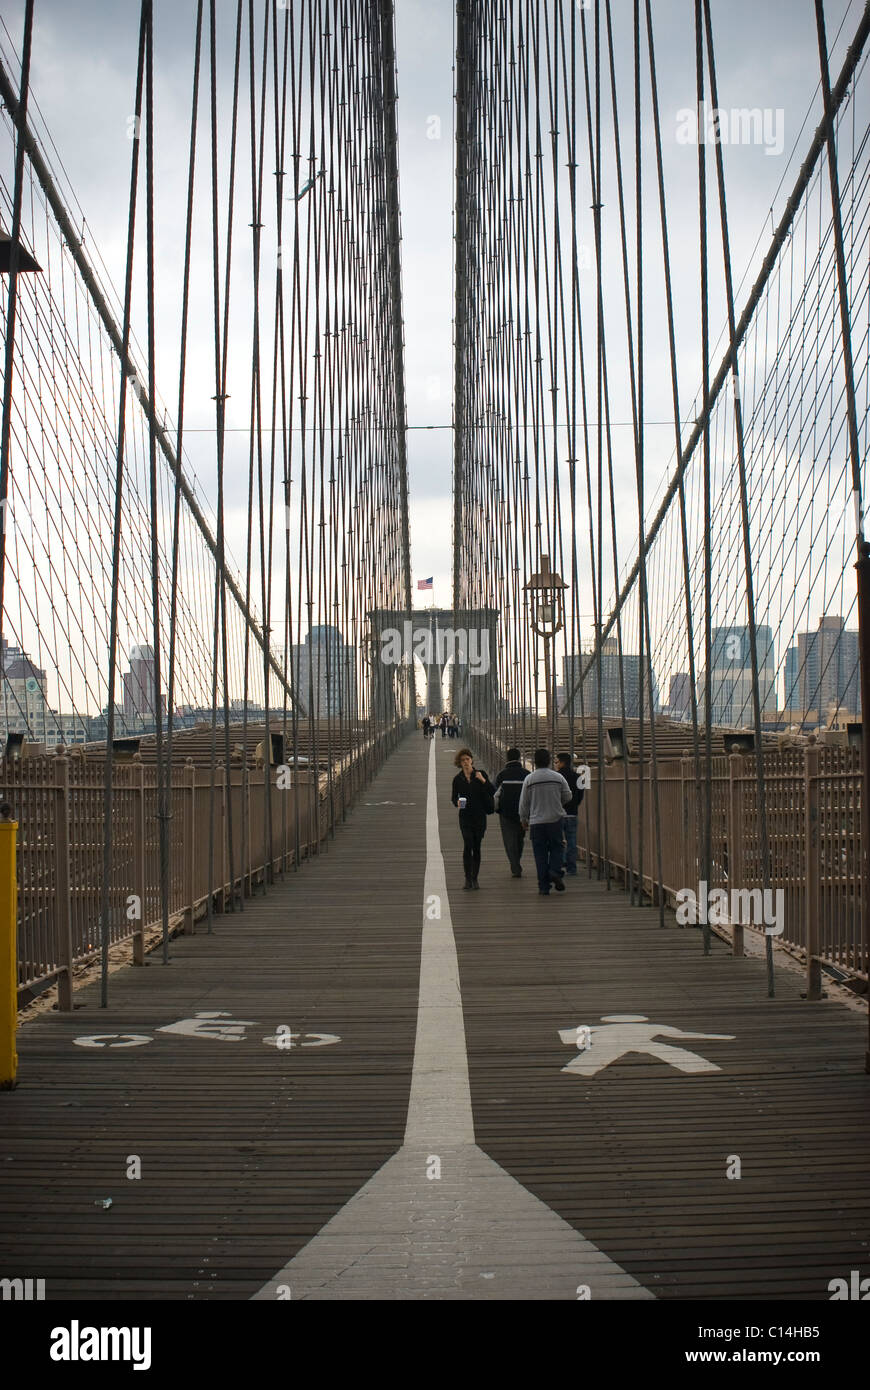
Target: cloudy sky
83,78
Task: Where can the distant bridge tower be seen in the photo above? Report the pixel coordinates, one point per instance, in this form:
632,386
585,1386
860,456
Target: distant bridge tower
432,636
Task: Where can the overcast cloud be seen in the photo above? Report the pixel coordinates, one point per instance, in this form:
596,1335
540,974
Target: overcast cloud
83,79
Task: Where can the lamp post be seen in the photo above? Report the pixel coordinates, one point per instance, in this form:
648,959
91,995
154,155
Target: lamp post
548,617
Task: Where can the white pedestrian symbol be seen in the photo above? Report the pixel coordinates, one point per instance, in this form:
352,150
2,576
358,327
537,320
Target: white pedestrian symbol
205,1025
634,1033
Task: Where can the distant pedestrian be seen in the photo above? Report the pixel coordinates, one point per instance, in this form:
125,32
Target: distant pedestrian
565,768
543,799
427,724
444,726
473,793
508,786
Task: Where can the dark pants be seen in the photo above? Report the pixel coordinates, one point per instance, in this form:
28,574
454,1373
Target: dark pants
473,831
548,850
514,838
569,826
443,730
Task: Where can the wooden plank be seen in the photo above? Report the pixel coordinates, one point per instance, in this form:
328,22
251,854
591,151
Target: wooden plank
247,1152
636,1156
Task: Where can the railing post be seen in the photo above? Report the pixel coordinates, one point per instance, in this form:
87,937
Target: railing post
188,858
687,847
62,885
8,948
735,842
655,888
247,866
137,785
264,793
862,570
224,858
812,871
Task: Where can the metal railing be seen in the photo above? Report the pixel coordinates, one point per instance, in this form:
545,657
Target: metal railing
814,840
814,834
58,802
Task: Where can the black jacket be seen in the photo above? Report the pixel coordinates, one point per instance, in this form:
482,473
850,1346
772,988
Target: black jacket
576,792
478,795
509,785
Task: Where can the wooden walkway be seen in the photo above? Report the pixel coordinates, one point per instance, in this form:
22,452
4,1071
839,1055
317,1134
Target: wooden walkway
257,1159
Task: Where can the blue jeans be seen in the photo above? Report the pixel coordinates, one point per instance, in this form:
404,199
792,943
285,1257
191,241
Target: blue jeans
569,827
548,850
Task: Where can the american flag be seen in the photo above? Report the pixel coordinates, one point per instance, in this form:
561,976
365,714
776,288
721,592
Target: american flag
425,583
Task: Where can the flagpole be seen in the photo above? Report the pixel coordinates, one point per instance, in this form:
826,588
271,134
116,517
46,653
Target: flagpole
435,640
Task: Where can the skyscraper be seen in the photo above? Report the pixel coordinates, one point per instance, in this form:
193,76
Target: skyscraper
731,675
679,696
792,695
140,689
828,668
611,701
324,674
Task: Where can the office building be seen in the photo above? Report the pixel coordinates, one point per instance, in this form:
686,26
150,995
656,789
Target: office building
324,674
731,680
679,704
828,674
139,686
23,696
791,693
633,680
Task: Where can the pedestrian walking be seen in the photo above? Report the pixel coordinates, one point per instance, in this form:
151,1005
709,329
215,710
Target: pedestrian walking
508,786
565,769
427,724
444,726
543,800
473,794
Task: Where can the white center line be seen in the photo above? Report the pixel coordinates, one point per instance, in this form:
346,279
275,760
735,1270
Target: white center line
439,1109
472,1231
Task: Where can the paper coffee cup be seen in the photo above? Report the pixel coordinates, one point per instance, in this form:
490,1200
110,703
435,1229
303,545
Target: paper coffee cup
463,802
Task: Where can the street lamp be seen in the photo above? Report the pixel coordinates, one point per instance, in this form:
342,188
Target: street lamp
548,617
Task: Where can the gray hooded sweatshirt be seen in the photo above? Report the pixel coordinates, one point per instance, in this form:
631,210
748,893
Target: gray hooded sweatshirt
544,796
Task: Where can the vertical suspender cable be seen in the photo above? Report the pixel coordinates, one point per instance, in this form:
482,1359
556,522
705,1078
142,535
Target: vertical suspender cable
645,674
11,305
704,789
761,790
687,586
182,374
164,770
108,787
863,549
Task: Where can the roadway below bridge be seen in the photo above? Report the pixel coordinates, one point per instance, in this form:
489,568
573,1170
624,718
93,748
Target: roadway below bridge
368,1085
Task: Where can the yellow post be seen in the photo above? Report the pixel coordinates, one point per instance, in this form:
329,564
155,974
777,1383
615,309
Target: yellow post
8,950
